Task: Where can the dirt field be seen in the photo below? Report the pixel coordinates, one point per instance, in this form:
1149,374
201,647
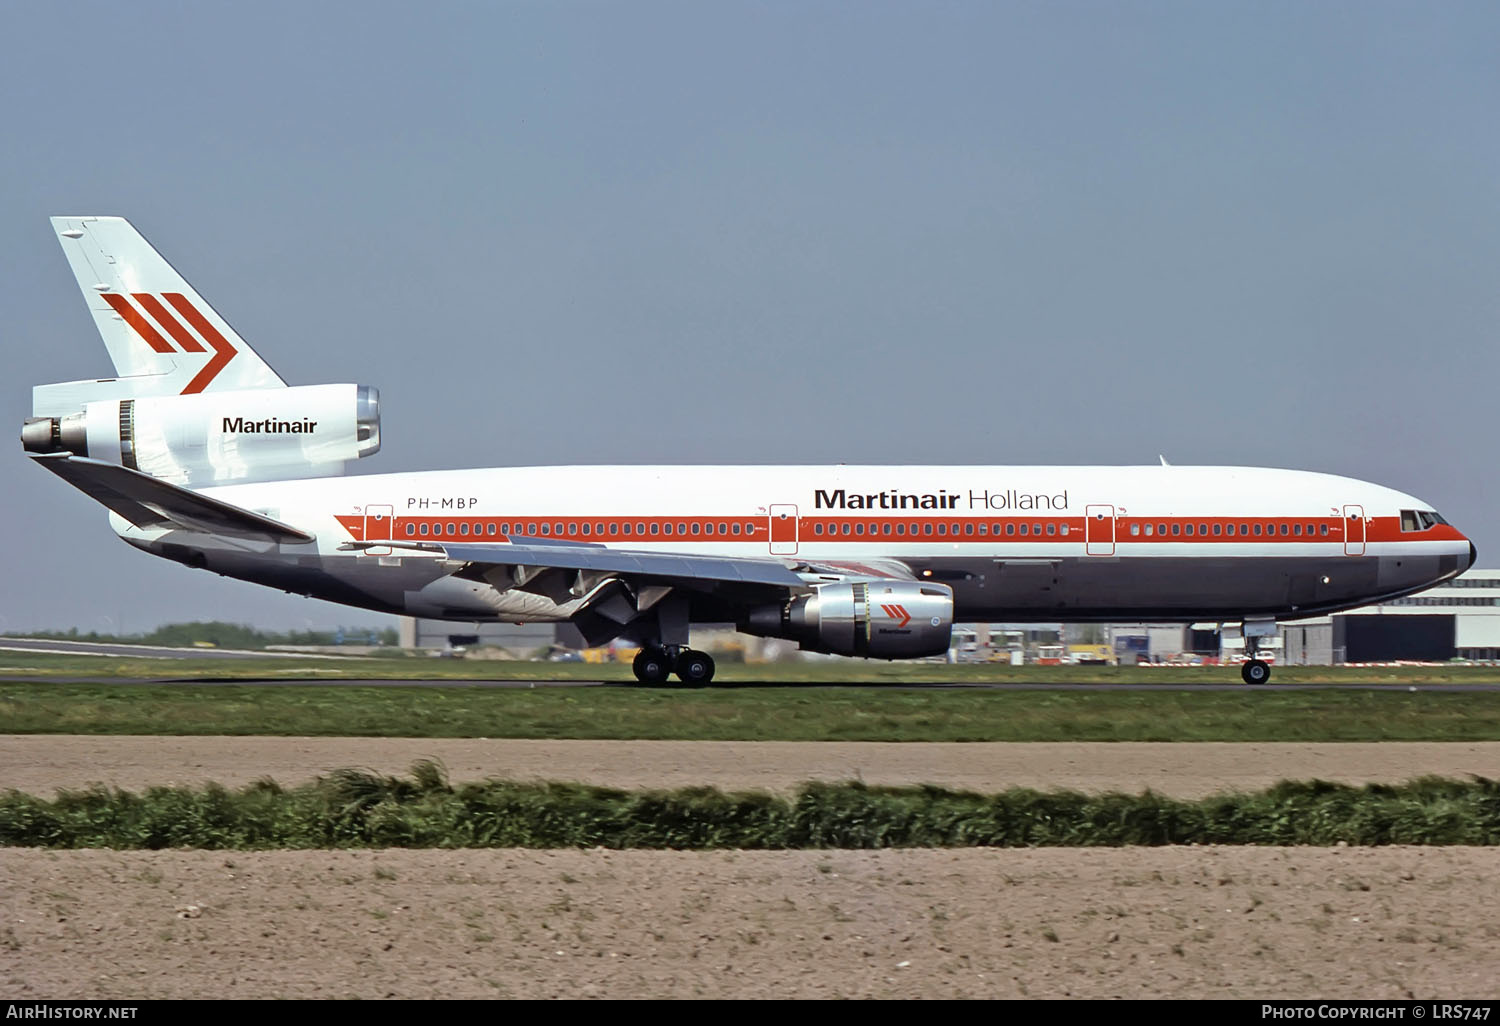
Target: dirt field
39,764
1165,922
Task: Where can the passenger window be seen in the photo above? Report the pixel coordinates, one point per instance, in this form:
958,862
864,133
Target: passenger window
1218,529
1189,528
1297,529
463,528
1036,528
424,530
489,529
968,529
1051,528
723,528
1010,528
666,528
1161,529
1150,529
817,528
1135,529
695,527
1257,530
736,528
1202,528
1025,529
627,528
1283,529
450,529
411,529
885,528
656,529
682,528
927,527
1176,529
859,528
573,528
585,528
942,528
1063,530
1323,530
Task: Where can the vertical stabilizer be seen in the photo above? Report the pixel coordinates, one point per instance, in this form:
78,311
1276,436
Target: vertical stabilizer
161,335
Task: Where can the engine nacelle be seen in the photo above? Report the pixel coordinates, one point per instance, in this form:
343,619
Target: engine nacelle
883,620
221,437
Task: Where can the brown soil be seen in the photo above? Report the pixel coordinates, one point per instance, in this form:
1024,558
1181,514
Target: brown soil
38,764
1164,922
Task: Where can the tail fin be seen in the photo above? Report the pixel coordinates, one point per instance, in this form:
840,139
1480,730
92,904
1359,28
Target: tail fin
163,338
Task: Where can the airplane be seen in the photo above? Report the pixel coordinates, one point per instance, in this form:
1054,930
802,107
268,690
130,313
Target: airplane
204,455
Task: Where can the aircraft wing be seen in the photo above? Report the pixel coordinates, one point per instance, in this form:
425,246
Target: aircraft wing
665,567
146,501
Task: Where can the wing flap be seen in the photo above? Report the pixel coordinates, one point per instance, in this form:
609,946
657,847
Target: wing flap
146,501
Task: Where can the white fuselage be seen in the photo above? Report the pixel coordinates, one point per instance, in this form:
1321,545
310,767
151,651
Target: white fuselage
1014,542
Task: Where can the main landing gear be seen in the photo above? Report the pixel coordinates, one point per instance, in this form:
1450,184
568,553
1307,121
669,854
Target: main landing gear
653,665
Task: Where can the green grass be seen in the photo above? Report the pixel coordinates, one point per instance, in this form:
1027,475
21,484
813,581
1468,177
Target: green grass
400,666
806,713
354,809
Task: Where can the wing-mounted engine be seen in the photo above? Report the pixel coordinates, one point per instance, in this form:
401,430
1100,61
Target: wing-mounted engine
883,619
224,437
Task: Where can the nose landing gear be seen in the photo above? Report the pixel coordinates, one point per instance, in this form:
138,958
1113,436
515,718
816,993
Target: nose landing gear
1255,671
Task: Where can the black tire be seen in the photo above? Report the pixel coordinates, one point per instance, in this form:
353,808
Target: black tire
1256,671
651,666
695,667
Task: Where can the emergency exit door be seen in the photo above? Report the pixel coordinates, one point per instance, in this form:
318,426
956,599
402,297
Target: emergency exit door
1099,531
379,521
1354,530
783,530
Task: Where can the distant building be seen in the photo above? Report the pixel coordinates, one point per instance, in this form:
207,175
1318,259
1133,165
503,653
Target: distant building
519,639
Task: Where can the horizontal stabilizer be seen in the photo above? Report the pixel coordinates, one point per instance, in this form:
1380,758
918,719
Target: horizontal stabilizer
146,501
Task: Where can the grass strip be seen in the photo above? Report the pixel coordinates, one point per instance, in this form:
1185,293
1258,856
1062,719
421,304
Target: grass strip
750,714
354,809
401,666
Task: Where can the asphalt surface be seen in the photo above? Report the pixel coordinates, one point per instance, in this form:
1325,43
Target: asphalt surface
388,682
57,646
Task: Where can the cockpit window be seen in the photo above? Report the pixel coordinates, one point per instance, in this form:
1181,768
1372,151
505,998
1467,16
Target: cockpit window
1420,519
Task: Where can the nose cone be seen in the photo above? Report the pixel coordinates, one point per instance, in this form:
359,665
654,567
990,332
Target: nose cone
1473,556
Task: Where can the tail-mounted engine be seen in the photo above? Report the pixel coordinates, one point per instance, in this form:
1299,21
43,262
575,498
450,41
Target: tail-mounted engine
221,437
881,619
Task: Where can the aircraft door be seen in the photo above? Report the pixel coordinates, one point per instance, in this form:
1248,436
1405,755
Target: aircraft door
380,521
1099,530
1354,530
783,530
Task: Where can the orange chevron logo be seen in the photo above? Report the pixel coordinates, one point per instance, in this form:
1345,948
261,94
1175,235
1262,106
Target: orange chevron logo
897,613
142,325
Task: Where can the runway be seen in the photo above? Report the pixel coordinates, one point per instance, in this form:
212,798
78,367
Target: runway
461,682
60,646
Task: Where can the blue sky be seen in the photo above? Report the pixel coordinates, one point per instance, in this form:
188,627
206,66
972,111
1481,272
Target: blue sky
1241,233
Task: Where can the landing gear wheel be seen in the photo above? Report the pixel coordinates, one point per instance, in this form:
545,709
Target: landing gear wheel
695,667
651,666
1256,671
